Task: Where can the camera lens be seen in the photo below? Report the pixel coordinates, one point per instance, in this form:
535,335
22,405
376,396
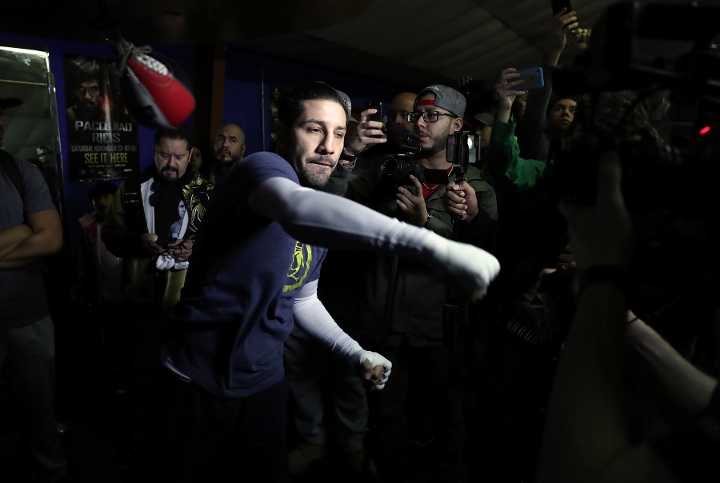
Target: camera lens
391,167
395,168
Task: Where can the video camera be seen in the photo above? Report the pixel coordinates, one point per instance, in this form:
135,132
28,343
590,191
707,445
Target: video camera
647,49
463,148
404,162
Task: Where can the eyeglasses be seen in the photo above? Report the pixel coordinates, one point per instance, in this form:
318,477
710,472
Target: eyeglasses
168,156
428,116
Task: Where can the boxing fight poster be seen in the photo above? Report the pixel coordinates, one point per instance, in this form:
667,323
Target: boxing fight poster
102,134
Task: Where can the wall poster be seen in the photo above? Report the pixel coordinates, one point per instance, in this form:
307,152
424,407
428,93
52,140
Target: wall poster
102,134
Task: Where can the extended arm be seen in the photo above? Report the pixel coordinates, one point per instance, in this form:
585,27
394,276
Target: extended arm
327,220
46,239
310,315
586,436
678,389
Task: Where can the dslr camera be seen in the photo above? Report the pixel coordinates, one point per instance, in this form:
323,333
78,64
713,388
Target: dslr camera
404,162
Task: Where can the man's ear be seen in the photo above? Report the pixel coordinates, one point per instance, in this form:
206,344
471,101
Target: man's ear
242,150
457,125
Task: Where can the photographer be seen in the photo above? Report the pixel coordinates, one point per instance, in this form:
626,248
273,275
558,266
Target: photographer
587,435
397,306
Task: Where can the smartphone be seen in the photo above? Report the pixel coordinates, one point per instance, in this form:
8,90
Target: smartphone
532,78
378,116
558,5
462,149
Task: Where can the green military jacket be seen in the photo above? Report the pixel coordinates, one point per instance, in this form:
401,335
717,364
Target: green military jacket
420,295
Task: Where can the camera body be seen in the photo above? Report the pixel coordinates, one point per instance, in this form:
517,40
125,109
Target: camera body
404,162
400,167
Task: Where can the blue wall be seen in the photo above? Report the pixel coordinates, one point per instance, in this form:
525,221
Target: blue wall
249,81
76,203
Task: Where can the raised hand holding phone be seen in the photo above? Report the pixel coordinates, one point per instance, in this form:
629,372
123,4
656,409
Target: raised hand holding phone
378,115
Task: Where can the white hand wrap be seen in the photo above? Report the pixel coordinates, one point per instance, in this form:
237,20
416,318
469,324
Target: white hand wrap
375,360
312,316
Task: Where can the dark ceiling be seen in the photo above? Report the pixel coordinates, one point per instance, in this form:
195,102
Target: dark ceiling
402,42
392,40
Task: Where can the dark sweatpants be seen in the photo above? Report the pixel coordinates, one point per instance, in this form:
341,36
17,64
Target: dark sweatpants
194,436
27,363
420,386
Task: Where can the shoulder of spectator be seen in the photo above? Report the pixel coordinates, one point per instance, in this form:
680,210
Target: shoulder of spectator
341,171
476,179
362,180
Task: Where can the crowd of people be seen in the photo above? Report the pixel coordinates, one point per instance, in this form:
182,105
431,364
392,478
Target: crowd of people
584,315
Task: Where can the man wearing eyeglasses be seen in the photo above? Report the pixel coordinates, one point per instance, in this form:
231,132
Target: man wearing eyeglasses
151,224
405,321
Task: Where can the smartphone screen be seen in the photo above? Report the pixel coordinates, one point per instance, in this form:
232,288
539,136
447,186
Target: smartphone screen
378,115
532,79
465,145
